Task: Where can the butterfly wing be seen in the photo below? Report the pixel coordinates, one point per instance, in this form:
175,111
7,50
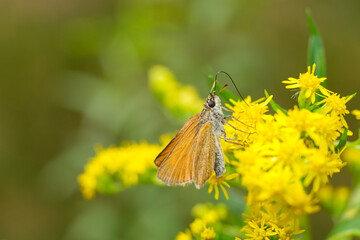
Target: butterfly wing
204,154
170,147
176,161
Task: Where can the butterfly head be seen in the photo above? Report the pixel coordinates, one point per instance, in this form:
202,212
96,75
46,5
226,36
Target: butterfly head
213,101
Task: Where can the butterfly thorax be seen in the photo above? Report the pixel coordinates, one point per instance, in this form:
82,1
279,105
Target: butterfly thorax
214,115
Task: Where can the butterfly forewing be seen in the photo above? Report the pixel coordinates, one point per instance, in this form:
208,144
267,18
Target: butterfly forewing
204,154
177,165
173,143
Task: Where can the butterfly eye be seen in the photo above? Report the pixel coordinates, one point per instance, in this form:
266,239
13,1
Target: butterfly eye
211,103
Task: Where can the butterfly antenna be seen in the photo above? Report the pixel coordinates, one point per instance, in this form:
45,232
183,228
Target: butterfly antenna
218,73
223,88
213,87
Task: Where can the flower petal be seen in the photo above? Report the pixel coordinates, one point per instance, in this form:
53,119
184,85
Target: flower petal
216,187
225,192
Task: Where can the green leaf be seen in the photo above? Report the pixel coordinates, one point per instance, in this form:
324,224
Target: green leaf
316,52
350,96
226,95
305,224
274,105
342,141
345,229
349,224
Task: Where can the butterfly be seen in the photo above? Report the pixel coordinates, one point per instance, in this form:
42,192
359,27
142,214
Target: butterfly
195,151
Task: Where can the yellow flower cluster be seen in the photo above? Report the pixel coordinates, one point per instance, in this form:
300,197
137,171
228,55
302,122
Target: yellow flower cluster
246,115
336,106
289,157
123,167
206,216
181,101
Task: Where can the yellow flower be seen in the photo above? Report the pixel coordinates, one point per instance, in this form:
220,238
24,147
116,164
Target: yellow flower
210,216
87,185
270,219
322,164
317,126
161,79
184,235
356,113
352,155
259,231
124,164
298,201
208,233
336,105
215,182
206,216
197,226
308,84
209,213
182,101
246,114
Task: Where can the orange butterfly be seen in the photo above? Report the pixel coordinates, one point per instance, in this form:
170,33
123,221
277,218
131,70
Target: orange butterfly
195,151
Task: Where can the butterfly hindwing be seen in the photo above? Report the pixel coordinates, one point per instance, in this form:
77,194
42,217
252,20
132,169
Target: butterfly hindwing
204,154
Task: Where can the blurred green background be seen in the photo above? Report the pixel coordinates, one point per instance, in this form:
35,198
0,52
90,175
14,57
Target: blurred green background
74,73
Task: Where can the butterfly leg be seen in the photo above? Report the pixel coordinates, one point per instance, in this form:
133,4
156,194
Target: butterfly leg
226,109
233,140
234,118
237,128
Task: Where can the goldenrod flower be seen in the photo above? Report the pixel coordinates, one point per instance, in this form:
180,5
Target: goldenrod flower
259,231
352,155
210,213
182,101
316,125
336,105
356,113
208,233
246,114
184,235
288,153
270,219
215,182
308,84
322,164
206,218
197,226
298,201
124,164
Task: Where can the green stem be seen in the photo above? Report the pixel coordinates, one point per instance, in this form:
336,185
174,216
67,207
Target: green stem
305,224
